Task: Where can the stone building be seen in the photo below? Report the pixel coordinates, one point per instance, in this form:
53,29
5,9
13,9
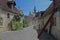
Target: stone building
53,26
7,11
33,19
32,14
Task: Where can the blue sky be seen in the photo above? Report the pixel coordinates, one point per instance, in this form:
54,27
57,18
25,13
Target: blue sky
28,5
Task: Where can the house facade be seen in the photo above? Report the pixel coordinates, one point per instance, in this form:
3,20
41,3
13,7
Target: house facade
53,26
7,12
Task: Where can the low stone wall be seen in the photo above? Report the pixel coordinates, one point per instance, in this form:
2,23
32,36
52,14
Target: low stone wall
3,29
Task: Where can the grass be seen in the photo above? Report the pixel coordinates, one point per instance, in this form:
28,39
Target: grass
0,38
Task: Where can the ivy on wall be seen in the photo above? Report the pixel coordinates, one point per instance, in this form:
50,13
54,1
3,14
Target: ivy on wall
25,23
16,23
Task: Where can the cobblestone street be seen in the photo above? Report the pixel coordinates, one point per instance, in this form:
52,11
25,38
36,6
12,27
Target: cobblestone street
25,34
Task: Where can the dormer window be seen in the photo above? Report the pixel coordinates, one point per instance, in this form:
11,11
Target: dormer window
8,15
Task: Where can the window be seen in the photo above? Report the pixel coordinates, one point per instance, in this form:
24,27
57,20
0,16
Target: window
8,15
1,21
42,23
55,21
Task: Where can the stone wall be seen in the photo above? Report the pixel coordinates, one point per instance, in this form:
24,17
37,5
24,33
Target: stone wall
5,20
56,28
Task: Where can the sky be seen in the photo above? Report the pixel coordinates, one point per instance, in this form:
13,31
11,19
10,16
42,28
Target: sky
28,5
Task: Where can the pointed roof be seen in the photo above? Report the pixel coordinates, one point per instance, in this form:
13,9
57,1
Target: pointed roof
34,8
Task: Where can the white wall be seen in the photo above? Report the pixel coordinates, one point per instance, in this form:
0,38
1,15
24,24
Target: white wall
5,19
56,29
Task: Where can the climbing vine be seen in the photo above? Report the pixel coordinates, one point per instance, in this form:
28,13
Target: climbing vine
17,24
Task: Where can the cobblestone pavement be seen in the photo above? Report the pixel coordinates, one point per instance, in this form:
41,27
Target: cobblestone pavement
46,36
26,34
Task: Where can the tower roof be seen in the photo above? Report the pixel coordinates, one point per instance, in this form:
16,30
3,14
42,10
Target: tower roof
34,8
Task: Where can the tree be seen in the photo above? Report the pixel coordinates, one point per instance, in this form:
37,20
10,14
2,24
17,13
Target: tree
17,17
17,24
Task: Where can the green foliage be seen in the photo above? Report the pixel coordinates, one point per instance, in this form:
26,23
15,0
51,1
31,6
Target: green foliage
19,25
25,23
16,23
0,17
13,25
0,38
17,17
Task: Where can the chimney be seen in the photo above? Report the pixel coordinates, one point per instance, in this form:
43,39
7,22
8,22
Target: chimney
11,4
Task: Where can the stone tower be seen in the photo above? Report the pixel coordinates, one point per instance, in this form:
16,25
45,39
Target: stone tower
34,9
